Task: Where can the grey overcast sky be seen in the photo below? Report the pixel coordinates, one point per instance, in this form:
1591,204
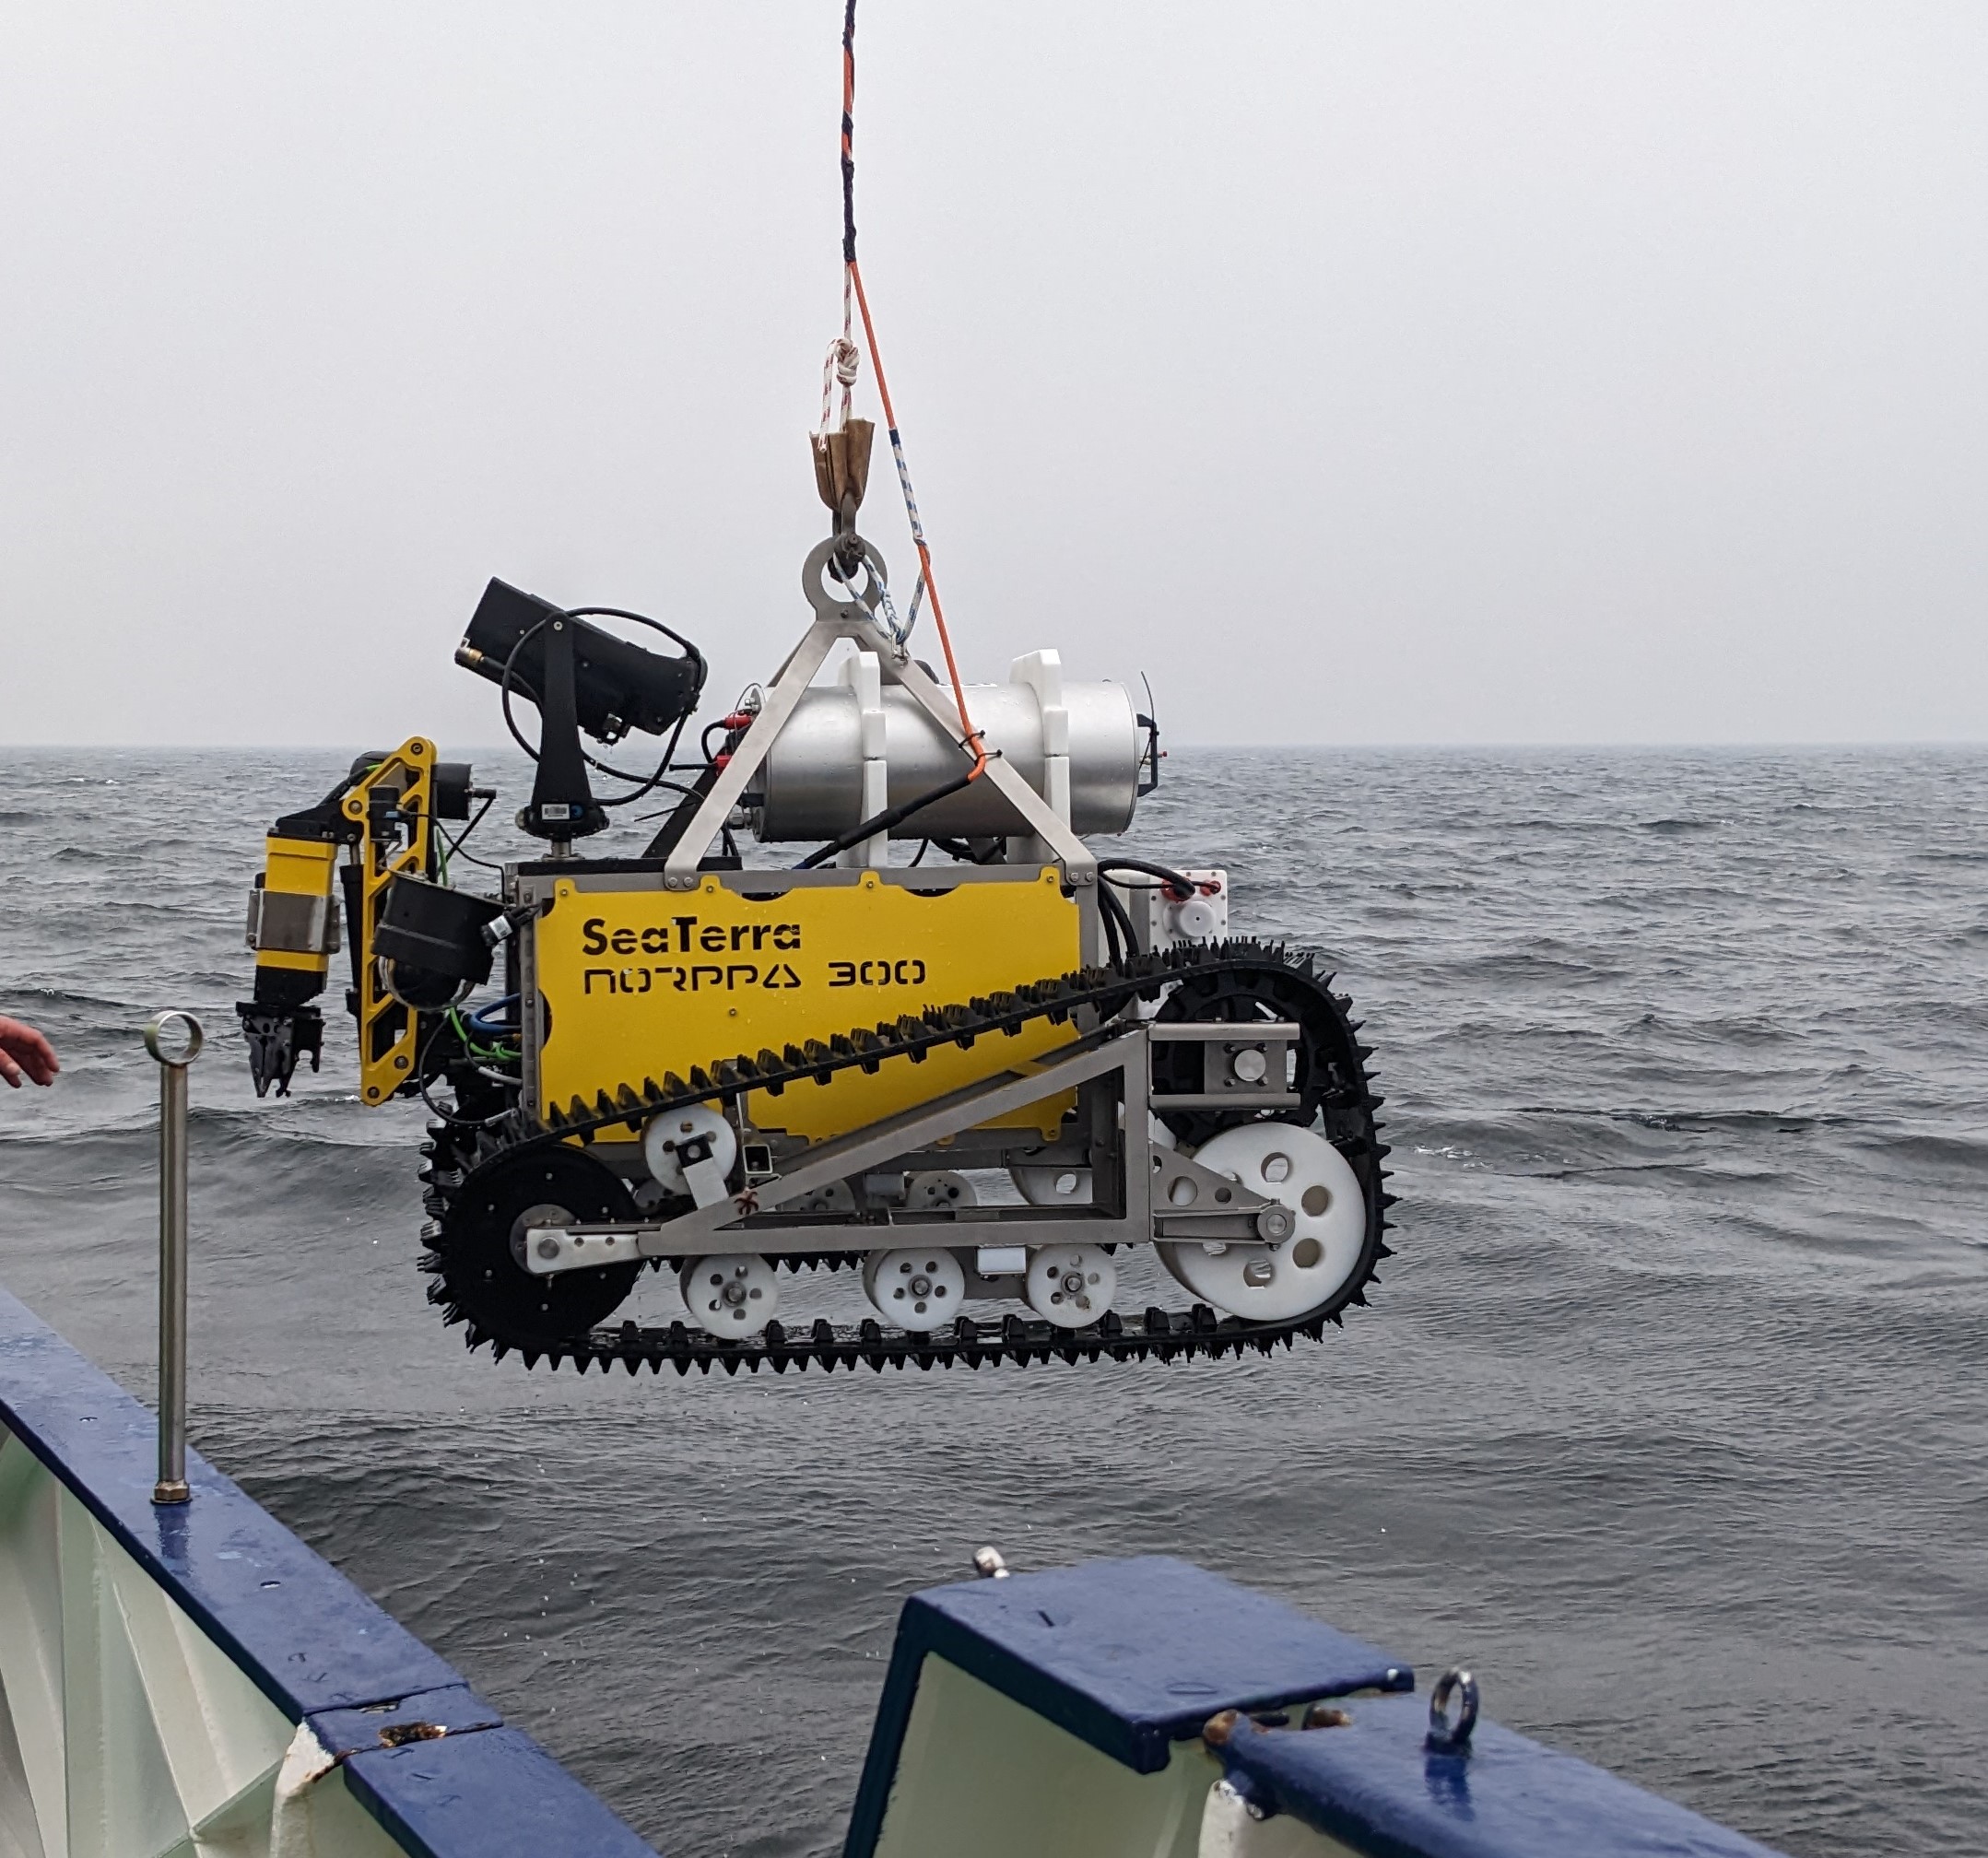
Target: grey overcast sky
1395,371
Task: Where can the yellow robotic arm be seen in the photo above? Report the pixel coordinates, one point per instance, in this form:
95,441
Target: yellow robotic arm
383,814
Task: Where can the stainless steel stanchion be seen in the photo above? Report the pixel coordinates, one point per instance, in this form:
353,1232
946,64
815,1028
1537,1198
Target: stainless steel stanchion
174,1039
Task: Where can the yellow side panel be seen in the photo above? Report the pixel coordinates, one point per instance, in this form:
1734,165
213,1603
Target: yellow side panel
643,982
286,958
302,868
297,867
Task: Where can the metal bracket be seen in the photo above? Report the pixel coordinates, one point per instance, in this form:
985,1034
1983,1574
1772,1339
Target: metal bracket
294,924
1258,1051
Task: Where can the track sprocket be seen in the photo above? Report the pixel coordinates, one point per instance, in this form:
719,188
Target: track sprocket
1328,1073
478,1248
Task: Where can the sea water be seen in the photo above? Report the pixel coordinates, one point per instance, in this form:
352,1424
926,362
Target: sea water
1667,1418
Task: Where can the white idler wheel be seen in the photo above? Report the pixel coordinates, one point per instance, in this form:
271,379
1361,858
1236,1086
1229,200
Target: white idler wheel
1274,1283
938,1192
679,1128
832,1199
731,1294
918,1288
1071,1285
1042,1184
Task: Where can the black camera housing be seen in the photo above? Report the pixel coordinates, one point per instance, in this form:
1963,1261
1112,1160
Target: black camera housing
617,687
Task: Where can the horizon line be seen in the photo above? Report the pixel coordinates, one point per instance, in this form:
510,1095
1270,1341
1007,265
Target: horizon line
1673,745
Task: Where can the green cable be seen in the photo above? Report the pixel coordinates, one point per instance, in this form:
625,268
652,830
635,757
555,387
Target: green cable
497,1053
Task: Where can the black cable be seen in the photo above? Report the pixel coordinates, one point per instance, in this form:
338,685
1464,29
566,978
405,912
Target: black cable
1112,907
455,844
1109,913
656,779
963,852
918,857
509,677
697,692
883,821
669,633
420,1083
642,783
1182,886
848,134
664,812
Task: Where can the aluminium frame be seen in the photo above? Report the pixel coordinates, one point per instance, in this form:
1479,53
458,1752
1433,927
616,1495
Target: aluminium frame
1149,1193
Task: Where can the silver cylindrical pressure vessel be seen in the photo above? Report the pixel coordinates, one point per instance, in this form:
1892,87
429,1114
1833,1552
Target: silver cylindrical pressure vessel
813,778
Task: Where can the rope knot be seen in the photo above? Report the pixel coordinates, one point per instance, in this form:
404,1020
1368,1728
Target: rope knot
839,370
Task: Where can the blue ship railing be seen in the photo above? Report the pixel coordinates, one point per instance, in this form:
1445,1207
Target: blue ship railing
185,1677
1149,1709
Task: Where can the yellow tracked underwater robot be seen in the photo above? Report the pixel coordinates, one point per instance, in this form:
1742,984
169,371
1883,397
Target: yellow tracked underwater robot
1002,1081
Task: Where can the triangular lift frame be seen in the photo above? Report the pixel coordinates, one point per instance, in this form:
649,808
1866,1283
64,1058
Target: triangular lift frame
851,613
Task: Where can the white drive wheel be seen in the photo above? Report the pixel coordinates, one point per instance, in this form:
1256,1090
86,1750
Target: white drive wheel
936,1191
1272,1282
1071,1285
733,1295
917,1288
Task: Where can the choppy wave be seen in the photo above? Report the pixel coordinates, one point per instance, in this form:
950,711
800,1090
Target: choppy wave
1671,1395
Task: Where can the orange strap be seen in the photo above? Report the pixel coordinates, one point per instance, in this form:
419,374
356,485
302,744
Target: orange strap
970,737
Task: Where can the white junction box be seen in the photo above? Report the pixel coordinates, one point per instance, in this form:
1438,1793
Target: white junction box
1163,919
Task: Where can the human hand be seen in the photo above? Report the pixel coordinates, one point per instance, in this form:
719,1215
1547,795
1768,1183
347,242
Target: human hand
24,1052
